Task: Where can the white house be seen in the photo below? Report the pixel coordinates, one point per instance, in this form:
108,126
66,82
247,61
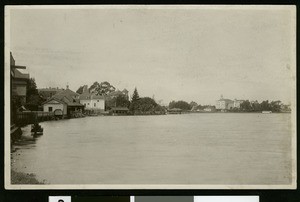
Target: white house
54,104
224,104
91,101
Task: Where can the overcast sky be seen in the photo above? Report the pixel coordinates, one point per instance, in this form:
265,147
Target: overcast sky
173,54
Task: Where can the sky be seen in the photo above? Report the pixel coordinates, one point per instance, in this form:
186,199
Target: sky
178,53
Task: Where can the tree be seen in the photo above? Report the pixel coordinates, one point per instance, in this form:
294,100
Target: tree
134,99
31,88
80,90
275,106
246,106
193,104
103,88
135,96
180,104
256,106
265,106
33,99
146,104
121,101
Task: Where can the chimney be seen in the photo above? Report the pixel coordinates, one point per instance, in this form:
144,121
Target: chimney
67,86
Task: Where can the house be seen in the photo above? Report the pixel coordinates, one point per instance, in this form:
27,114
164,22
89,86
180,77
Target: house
65,102
224,104
92,101
55,105
119,110
19,80
209,109
237,103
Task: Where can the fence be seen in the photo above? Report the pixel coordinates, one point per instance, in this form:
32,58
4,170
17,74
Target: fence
31,117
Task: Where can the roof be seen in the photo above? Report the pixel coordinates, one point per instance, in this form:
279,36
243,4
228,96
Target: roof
66,93
90,96
53,98
49,89
68,97
20,75
48,92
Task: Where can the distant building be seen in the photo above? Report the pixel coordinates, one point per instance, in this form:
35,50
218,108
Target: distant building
65,101
237,103
119,110
224,104
209,109
19,80
91,101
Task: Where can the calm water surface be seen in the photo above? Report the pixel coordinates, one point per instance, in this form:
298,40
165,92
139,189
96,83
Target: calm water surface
171,149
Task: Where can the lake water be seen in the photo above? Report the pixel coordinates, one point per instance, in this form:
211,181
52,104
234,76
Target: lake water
216,148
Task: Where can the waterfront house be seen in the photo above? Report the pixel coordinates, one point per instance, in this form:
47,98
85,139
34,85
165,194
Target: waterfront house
91,101
19,80
65,101
119,110
55,105
224,104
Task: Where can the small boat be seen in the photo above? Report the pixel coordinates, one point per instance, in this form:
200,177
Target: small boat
36,129
266,112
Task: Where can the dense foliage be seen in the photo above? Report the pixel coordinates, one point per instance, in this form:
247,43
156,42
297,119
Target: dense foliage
144,105
122,101
180,104
103,88
134,101
80,90
33,99
247,106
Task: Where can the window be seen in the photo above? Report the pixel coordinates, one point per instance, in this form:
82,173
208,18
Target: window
88,103
97,100
50,109
94,104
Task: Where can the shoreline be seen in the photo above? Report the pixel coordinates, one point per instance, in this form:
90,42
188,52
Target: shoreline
23,178
18,177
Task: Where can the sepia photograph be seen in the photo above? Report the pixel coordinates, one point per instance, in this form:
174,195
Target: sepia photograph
150,97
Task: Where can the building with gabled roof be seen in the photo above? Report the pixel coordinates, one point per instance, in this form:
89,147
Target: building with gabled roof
224,104
19,80
66,100
91,101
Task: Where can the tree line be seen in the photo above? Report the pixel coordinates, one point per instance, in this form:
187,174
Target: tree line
266,105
